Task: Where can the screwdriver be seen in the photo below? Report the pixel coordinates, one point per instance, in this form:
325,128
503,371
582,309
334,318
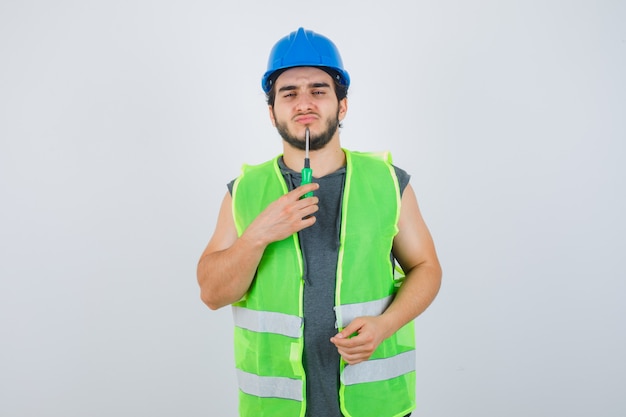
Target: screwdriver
307,172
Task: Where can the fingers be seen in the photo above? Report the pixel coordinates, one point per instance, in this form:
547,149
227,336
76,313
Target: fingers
360,351
354,327
360,342
303,209
285,216
354,350
300,191
357,341
354,358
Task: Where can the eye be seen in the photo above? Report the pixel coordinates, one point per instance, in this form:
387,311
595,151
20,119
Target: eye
319,92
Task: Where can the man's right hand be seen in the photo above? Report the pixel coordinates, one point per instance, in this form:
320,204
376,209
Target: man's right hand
285,216
228,264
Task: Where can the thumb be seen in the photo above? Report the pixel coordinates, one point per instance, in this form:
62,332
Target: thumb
350,330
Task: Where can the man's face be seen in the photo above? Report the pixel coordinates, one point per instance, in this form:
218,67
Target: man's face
305,97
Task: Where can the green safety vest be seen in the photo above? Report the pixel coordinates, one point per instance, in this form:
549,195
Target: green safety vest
269,319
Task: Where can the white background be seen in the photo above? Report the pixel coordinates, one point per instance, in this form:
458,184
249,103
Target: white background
122,121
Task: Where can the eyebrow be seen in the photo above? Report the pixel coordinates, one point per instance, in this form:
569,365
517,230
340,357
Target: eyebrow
312,85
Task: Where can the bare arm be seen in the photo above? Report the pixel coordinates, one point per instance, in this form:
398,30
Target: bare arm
414,249
228,264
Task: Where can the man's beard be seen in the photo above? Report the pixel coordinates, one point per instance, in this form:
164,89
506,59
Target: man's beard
315,142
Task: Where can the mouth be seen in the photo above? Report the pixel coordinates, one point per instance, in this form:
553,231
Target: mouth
305,118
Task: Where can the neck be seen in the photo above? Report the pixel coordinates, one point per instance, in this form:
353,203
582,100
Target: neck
323,161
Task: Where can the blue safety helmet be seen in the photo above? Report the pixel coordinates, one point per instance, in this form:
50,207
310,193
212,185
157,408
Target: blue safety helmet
304,48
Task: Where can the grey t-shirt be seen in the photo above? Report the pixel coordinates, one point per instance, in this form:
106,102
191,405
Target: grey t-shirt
320,247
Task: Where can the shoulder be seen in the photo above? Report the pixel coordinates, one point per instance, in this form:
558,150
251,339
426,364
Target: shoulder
403,178
384,157
265,168
230,185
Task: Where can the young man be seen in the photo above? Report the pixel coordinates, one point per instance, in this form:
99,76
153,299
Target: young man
323,320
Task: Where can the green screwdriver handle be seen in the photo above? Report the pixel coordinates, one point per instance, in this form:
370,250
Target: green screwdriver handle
307,177
307,172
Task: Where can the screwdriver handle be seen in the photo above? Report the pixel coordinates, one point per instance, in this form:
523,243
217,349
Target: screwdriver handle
307,177
307,172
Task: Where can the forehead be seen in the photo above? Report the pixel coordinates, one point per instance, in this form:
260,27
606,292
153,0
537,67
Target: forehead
303,76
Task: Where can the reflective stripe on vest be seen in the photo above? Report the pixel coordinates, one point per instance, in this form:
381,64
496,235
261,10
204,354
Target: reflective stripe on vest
270,386
267,322
379,369
347,312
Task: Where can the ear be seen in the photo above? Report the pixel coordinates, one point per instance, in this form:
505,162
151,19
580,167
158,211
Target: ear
271,111
343,108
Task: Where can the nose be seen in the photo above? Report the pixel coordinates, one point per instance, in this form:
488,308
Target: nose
303,103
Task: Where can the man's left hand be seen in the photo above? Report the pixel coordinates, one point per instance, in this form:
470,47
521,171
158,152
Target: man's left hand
357,341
